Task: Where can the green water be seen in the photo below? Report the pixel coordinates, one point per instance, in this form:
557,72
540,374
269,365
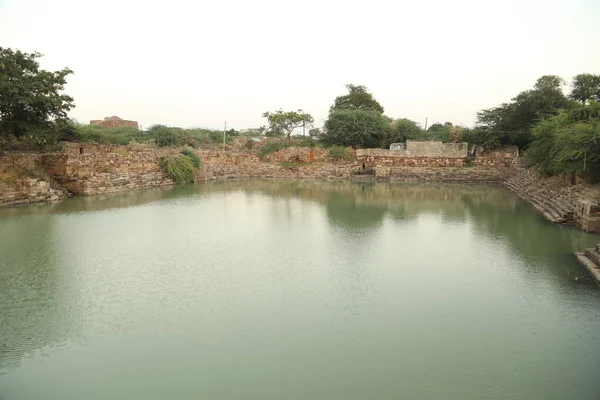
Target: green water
295,290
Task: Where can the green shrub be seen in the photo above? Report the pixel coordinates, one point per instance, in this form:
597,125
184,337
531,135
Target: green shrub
194,158
97,134
356,127
178,168
568,143
165,136
339,153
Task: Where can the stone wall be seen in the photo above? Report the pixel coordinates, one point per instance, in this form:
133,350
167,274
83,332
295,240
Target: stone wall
99,169
435,149
388,160
446,174
86,169
421,149
503,158
587,215
23,180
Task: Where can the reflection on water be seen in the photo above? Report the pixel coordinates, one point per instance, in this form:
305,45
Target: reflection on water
294,289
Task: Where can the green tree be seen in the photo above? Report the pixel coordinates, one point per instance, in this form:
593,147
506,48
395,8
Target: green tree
356,128
401,130
31,98
283,123
435,127
358,98
568,142
511,122
585,87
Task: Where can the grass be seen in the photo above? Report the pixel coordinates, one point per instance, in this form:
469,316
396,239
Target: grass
194,158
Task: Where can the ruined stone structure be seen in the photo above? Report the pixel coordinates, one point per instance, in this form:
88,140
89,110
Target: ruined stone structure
113,122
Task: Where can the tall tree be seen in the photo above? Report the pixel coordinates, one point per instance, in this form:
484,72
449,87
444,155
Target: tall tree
358,98
401,130
356,128
511,122
30,97
585,87
283,123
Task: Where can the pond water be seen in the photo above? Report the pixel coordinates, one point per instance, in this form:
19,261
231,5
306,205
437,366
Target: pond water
295,290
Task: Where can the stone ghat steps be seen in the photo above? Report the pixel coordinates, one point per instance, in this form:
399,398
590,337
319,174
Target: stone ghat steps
556,207
591,260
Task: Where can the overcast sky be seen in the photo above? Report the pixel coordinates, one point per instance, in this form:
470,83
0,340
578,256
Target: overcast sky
200,63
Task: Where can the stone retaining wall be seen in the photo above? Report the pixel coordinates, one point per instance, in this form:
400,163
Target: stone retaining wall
446,174
23,180
100,169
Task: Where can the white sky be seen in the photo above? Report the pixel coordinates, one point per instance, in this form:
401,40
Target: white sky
200,63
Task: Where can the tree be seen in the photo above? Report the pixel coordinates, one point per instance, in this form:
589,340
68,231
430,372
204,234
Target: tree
435,127
438,131
358,98
30,97
357,128
283,123
401,130
511,122
585,87
568,142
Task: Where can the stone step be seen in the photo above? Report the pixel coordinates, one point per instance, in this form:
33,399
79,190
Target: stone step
593,255
589,264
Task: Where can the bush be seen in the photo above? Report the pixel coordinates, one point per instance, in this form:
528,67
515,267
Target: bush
165,136
568,143
178,168
339,153
364,128
96,134
194,158
481,137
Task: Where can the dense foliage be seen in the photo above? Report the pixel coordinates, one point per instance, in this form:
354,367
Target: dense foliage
402,130
357,128
511,123
160,135
358,98
32,104
568,142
